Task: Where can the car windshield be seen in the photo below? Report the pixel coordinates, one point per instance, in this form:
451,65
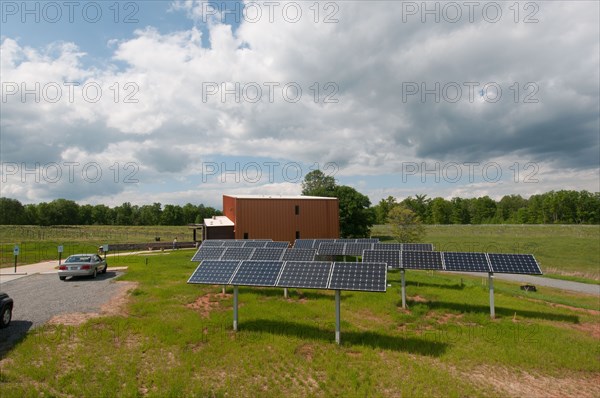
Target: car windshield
78,259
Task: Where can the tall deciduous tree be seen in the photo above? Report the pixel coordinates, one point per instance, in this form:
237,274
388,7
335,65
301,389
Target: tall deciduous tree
406,225
356,216
316,183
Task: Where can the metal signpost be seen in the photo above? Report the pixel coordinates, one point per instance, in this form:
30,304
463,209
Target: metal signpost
16,254
60,252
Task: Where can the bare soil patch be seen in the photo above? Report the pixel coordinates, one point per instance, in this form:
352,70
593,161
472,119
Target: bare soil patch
207,303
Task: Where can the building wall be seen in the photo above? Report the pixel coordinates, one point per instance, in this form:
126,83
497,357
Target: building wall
218,232
276,218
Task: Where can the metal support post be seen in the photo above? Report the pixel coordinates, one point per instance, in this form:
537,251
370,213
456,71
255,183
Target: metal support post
235,308
492,309
337,317
402,275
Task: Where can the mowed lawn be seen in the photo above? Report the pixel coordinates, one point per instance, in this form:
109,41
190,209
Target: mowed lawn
175,339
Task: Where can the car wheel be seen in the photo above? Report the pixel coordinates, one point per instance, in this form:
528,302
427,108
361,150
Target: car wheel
95,273
62,278
6,316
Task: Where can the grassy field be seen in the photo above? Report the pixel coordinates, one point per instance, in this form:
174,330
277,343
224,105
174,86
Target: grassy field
176,339
563,251
41,243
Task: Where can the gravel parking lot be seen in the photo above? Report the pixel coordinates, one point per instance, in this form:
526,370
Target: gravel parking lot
40,297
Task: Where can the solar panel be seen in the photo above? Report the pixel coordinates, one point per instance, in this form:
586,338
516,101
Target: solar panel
295,254
267,253
387,246
418,246
256,243
237,253
283,245
356,249
421,260
212,243
468,262
257,273
319,241
390,257
367,240
514,264
208,252
344,240
331,249
305,274
369,277
304,243
214,272
233,243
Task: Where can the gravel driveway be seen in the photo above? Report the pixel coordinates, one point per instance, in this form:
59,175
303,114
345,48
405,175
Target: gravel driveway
39,297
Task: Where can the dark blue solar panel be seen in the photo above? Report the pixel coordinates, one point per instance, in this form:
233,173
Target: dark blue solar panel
305,274
267,253
370,277
214,272
237,253
421,260
466,262
282,245
212,243
208,253
356,249
304,243
514,264
257,273
390,257
256,243
233,243
331,249
367,240
295,254
417,246
387,246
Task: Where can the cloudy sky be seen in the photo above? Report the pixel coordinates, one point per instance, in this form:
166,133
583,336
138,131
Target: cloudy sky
177,102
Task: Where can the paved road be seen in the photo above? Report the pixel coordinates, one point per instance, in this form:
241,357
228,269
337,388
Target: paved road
549,282
39,297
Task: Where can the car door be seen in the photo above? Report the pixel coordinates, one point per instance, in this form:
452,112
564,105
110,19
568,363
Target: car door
96,263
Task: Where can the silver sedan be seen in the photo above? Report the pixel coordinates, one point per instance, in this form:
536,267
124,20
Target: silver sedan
82,265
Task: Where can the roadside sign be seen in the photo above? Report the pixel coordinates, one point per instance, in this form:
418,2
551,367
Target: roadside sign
105,248
60,248
16,250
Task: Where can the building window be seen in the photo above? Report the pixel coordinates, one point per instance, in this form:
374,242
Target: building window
297,209
297,234
245,235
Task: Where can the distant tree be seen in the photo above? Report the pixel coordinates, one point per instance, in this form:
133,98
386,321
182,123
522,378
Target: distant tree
383,208
171,215
356,216
419,204
441,211
460,211
316,183
12,212
150,214
406,225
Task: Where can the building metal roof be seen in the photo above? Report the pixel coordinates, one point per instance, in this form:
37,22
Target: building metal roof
218,221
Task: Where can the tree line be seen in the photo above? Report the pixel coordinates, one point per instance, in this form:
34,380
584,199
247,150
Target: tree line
68,212
554,207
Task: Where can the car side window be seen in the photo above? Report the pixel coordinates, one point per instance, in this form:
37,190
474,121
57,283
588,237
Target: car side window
96,258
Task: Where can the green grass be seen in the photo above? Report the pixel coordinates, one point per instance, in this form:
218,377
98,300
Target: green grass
285,347
564,251
41,243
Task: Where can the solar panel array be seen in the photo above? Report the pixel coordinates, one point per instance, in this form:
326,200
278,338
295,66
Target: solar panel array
249,253
237,253
244,243
370,277
267,253
297,254
314,243
331,249
208,252
456,261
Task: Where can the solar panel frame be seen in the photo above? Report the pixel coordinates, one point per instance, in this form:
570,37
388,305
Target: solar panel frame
298,254
466,262
367,277
387,246
344,240
267,253
237,253
233,243
412,259
356,249
420,247
215,243
257,273
208,253
392,258
331,249
305,274
214,272
367,240
278,244
304,243
514,263
256,243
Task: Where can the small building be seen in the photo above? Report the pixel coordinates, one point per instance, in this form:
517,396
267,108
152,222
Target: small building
281,218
